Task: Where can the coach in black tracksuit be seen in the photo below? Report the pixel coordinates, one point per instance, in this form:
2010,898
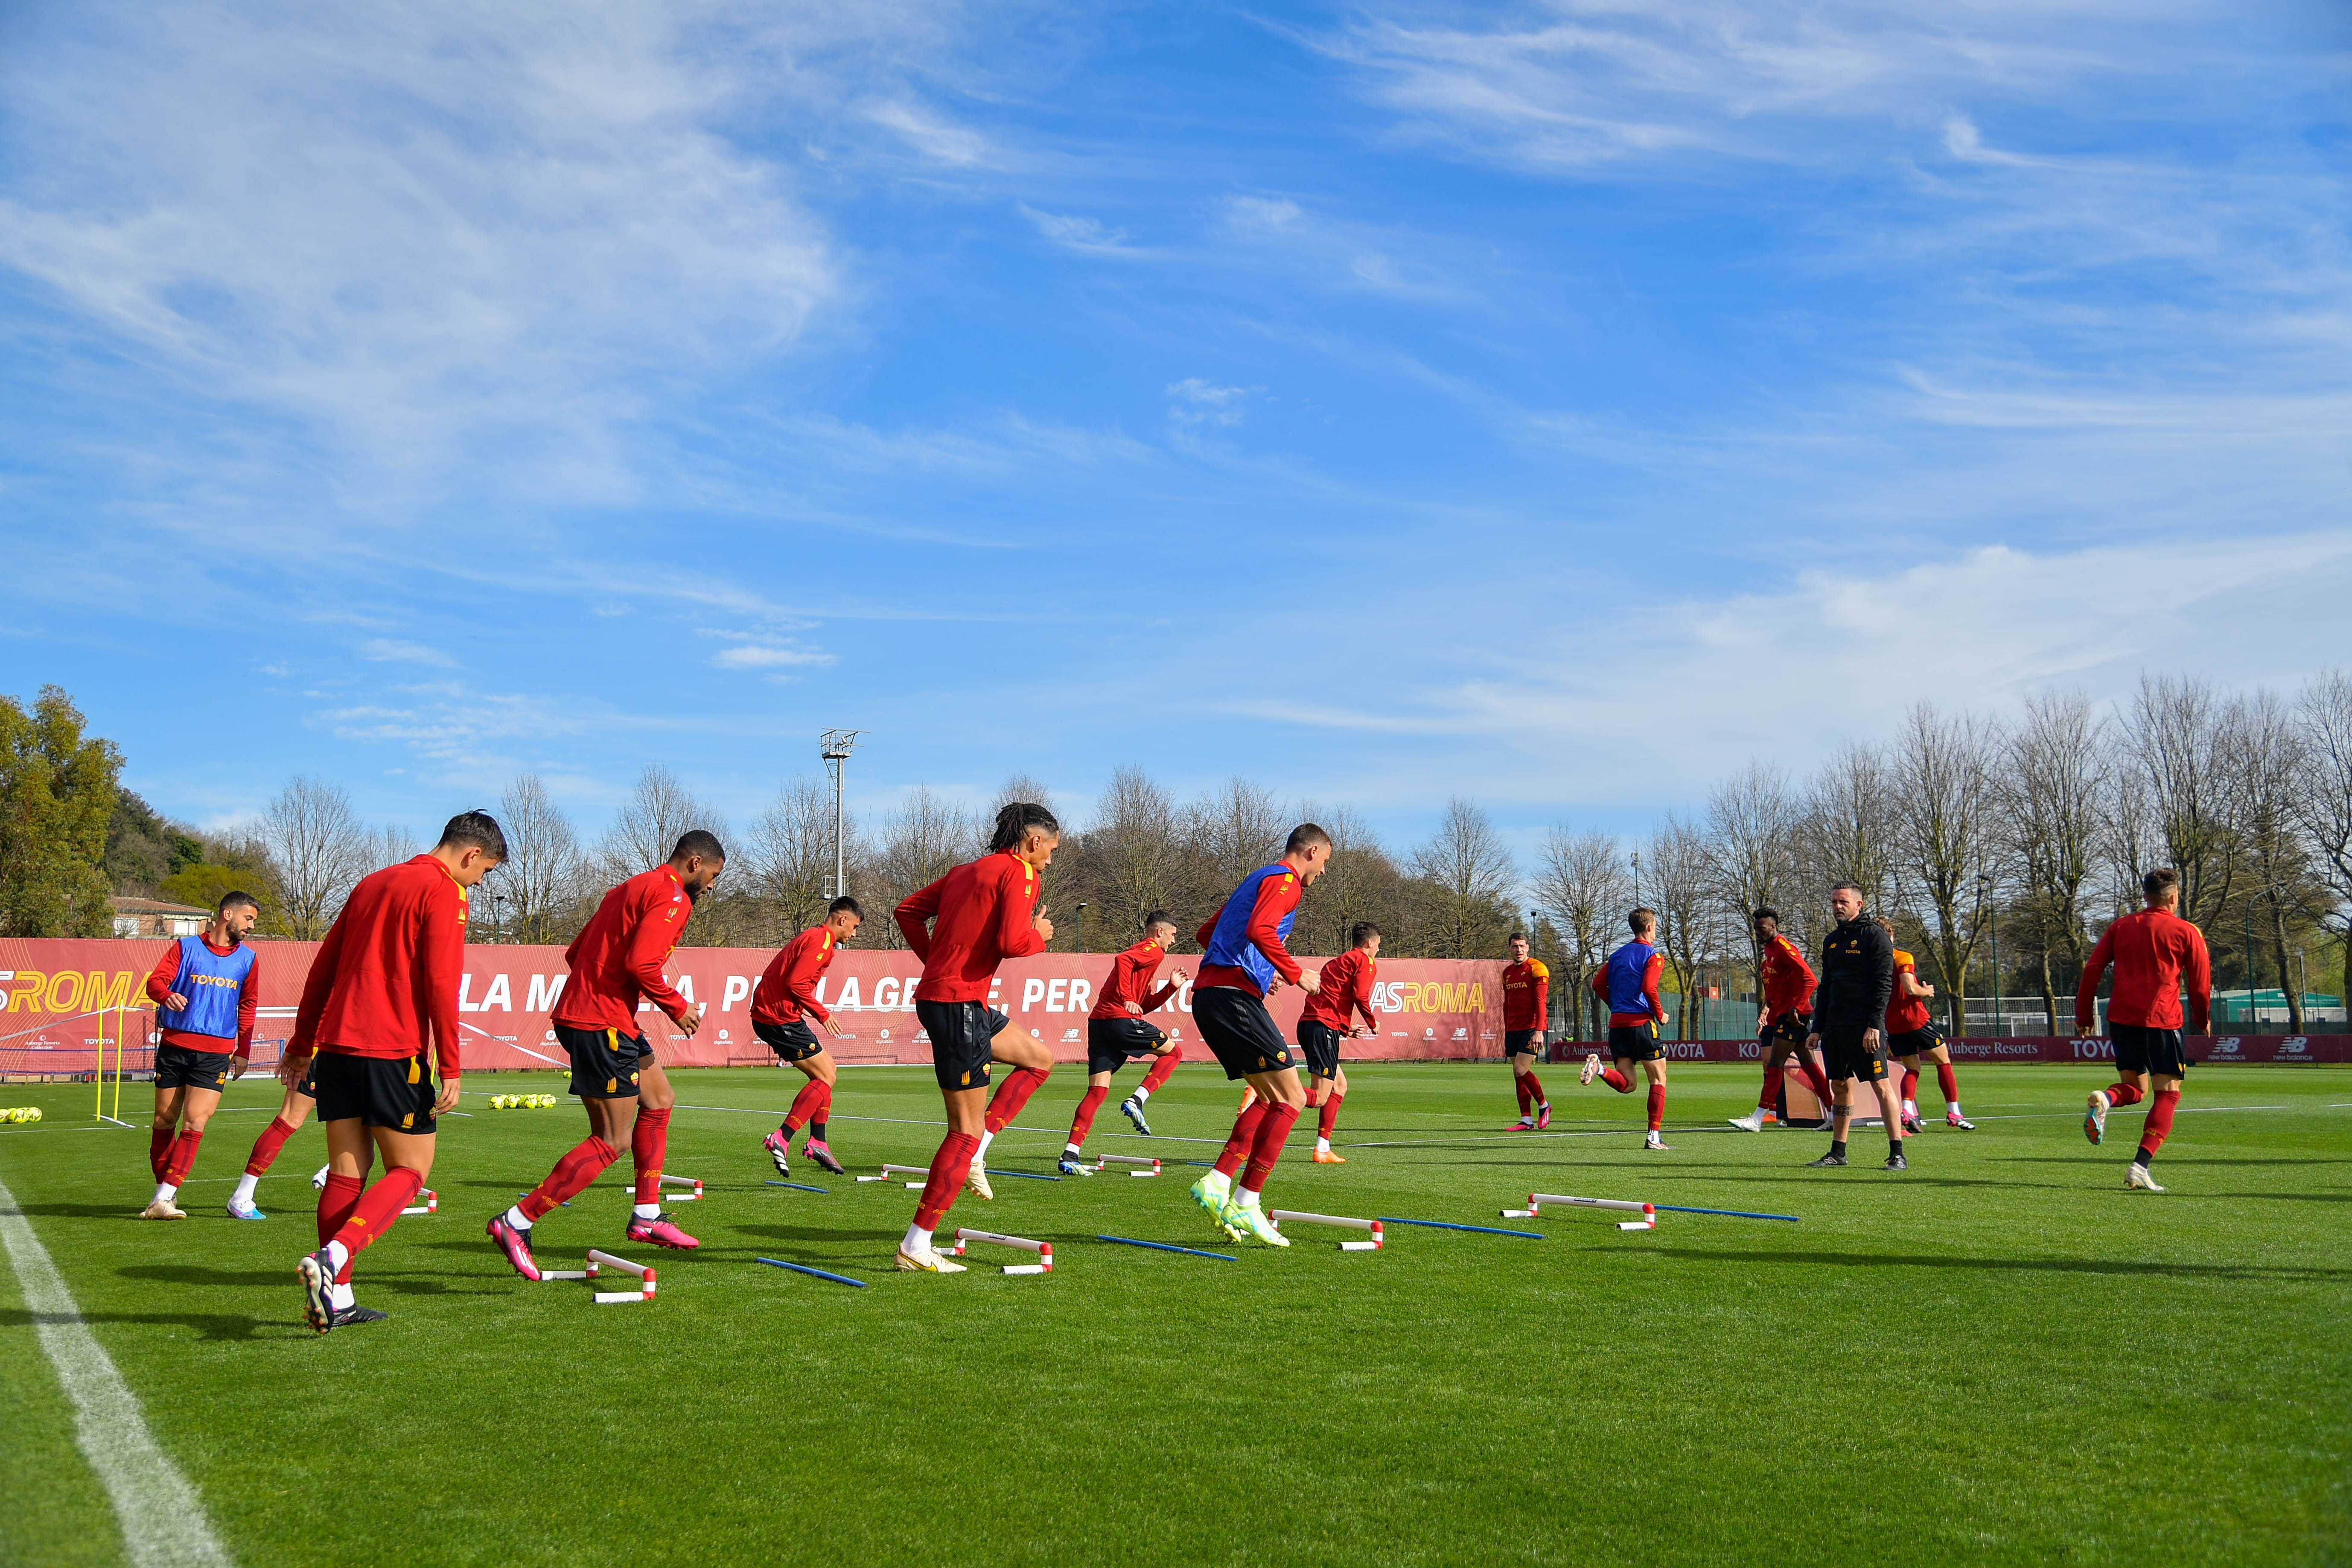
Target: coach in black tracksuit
1849,1017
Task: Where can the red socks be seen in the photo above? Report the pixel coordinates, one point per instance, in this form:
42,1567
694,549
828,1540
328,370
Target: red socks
1245,1137
1818,1081
2122,1094
1084,1122
336,1202
1657,1105
1948,1081
1330,1116
1617,1080
649,1141
1162,1069
1531,1087
377,1208
1011,1095
159,1144
1267,1147
1519,1083
949,1168
584,1165
810,1105
1910,1086
265,1148
1770,1099
2159,1126
182,1157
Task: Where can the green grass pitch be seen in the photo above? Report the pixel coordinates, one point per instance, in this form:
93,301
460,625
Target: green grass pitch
1998,1356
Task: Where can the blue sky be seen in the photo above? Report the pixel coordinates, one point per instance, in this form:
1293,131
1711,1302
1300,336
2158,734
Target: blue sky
1556,404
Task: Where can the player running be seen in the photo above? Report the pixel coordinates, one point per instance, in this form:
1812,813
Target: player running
205,989
616,963
1629,983
780,1004
1117,1031
382,994
1242,957
1912,1037
2153,952
962,927
1526,1003
1784,1020
292,1111
1849,1015
1346,988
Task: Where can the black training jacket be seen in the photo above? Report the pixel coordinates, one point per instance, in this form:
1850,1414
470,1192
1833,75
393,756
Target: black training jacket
1857,977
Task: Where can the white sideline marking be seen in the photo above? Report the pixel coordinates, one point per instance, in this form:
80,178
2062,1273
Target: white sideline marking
163,1519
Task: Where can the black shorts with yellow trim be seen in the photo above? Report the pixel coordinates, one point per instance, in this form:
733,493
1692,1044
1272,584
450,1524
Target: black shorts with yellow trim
182,1067
1916,1042
791,1042
1239,1032
310,1084
1845,1055
961,1035
2140,1048
1521,1042
1112,1043
605,1062
1319,1044
395,1092
1635,1043
1790,1029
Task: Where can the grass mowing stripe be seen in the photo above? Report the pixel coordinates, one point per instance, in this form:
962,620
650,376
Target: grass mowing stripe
163,1519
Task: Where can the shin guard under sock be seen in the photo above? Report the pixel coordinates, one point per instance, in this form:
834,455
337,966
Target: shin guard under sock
950,1166
1161,1069
1236,1151
649,1144
373,1214
1330,1117
182,1157
1617,1080
1657,1105
1084,1122
1266,1149
1011,1096
2159,1126
265,1148
584,1163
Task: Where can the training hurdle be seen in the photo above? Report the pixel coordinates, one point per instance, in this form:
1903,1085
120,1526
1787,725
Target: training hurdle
1380,1237
1649,1212
432,1204
1044,1250
1103,1160
694,1196
644,1292
890,1171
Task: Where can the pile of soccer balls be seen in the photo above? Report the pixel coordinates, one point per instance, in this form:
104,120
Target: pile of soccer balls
21,1113
522,1102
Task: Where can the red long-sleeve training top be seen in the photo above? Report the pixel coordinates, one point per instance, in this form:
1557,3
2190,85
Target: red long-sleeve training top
1906,1013
1788,978
616,959
1347,987
1277,896
1526,995
1130,982
248,999
1650,973
385,983
2152,951
787,986
969,922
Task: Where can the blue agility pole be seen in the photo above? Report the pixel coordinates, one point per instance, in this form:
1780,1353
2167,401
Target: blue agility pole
1163,1247
1734,1214
1449,1224
822,1274
802,1186
1026,1175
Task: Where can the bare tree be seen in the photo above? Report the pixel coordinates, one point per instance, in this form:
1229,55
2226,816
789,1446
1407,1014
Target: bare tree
1232,833
658,811
318,851
2324,801
2175,731
1130,859
1678,881
927,839
390,846
1850,832
1580,883
1020,787
2050,797
2265,744
543,878
1469,877
1751,843
788,859
1942,769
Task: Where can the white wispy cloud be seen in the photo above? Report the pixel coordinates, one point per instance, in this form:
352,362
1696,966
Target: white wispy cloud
761,655
1195,401
1074,232
388,650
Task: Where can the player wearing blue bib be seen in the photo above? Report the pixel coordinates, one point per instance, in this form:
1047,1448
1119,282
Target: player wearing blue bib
205,989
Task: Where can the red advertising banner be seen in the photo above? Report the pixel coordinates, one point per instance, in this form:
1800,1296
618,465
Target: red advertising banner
63,998
2282,1050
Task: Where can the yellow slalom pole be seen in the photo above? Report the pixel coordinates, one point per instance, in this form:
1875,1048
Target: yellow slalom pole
120,1021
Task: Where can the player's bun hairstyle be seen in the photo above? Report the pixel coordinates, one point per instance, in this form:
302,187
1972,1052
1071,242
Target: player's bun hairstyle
2156,881
1641,919
1158,917
697,841
475,830
1305,836
1363,931
1013,823
845,905
236,902
1767,913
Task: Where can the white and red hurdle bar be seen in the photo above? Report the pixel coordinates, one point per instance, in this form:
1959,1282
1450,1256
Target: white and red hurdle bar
684,1197
888,1171
432,1204
965,1237
1103,1160
1649,1212
601,1260
1377,1244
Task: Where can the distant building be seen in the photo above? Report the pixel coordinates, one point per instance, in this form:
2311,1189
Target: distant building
154,918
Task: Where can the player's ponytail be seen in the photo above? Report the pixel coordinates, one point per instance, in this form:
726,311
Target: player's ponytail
1013,823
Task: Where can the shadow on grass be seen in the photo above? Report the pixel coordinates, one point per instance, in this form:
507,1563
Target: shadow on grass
208,1325
2234,1271
2170,1161
413,1283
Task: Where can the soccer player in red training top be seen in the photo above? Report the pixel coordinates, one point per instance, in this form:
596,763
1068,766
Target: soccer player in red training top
1784,1020
1911,1035
786,992
204,989
1117,1030
962,926
1527,1002
1346,988
1629,983
2153,951
381,994
1242,958
616,962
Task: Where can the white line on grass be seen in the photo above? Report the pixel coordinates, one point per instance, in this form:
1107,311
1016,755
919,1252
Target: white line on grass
163,1519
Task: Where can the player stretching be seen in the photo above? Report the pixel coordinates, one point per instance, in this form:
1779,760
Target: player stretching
786,992
1242,955
204,989
1849,1012
962,926
1527,1002
2153,951
617,963
1346,987
1911,1035
1629,983
382,993
1784,1020
1117,1030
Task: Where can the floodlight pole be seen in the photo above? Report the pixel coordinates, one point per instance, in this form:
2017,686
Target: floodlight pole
836,746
